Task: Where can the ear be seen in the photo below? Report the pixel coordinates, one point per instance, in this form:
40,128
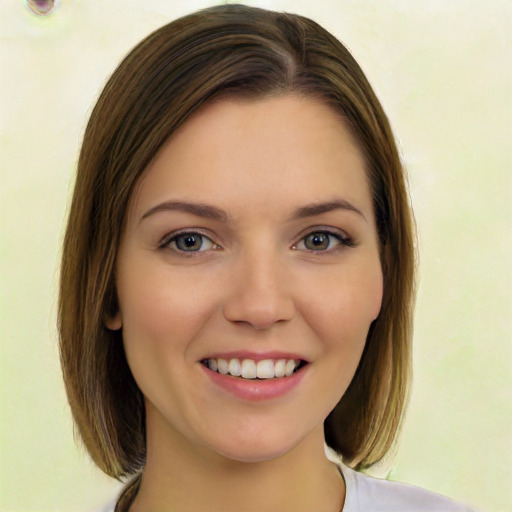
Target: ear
114,323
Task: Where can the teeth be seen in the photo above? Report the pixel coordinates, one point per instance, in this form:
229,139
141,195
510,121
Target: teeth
290,366
249,369
280,368
265,369
235,368
222,366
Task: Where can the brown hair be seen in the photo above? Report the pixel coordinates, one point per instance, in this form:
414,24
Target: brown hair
229,50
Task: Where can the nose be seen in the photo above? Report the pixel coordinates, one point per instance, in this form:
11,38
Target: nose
260,295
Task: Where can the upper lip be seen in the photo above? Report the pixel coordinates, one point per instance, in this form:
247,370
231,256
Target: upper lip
255,356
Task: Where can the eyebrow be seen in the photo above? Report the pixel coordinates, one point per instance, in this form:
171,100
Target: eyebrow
212,212
319,208
198,209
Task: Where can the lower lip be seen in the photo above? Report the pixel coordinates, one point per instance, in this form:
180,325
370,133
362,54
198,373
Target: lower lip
256,390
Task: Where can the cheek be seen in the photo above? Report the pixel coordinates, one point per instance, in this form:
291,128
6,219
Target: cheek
375,295
341,320
161,305
161,315
344,308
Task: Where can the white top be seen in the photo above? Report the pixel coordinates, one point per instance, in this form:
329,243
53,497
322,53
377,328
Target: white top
367,494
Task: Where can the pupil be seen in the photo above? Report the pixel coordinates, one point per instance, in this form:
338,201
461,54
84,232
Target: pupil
189,242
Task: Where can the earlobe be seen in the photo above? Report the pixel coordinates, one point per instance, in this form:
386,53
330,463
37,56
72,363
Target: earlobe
114,323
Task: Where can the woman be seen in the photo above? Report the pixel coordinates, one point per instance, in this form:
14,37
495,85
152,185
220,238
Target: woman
237,276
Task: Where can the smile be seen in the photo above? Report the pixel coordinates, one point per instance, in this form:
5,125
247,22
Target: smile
250,369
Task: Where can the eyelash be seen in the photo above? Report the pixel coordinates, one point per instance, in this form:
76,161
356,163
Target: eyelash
170,242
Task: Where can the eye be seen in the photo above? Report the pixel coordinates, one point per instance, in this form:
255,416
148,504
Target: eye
190,242
320,241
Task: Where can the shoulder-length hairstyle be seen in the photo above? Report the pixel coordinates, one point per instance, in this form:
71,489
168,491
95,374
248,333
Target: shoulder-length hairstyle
225,51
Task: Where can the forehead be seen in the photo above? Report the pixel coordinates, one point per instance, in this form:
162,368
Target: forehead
279,150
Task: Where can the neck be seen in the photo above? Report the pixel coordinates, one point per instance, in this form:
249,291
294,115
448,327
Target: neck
180,476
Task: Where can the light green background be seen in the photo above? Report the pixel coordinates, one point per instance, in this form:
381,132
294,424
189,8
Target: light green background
443,71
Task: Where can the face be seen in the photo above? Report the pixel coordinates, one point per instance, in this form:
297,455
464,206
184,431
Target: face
248,276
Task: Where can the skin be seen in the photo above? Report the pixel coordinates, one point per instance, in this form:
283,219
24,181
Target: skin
257,284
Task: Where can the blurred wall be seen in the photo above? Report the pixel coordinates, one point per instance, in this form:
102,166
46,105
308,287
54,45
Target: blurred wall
443,72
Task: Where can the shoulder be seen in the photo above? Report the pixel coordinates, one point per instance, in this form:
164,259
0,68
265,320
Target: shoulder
107,508
367,494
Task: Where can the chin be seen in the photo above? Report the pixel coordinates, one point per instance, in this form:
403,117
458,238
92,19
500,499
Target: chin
248,446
